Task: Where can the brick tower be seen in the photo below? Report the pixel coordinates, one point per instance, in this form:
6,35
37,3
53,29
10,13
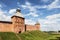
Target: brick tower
37,25
18,22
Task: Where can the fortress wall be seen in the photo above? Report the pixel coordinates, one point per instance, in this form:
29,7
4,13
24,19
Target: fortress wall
17,24
19,28
31,27
6,27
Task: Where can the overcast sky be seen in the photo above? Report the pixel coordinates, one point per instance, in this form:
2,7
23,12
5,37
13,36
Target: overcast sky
46,12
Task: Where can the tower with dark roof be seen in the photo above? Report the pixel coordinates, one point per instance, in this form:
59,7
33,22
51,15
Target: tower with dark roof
37,25
18,21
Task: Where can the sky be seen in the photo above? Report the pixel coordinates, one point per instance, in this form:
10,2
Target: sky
46,12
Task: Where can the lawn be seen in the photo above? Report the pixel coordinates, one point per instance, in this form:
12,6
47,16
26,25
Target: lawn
8,36
29,35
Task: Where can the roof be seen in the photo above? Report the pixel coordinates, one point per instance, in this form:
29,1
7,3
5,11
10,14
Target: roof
17,16
18,10
18,13
6,22
37,23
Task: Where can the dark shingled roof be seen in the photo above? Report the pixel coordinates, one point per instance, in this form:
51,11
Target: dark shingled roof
6,22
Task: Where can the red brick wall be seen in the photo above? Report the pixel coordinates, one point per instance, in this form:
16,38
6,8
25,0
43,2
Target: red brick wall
32,27
18,24
5,27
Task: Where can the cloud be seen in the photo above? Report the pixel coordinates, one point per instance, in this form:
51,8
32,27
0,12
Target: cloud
18,4
32,9
45,0
29,21
12,11
51,17
50,23
4,17
54,5
32,14
27,3
0,5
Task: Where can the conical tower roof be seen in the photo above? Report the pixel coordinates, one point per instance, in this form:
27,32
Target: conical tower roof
18,13
37,23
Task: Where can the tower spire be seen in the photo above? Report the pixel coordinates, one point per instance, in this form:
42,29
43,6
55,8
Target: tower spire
37,23
18,13
18,10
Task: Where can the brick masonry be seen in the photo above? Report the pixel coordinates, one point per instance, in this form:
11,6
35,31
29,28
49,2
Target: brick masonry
17,25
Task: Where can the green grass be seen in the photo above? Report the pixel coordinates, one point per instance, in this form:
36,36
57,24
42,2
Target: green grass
37,35
7,36
32,35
